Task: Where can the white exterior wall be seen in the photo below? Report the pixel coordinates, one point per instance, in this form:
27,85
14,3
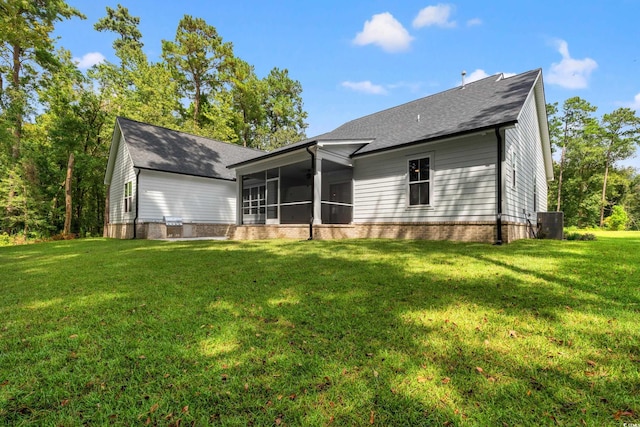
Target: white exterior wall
463,182
525,142
123,172
194,199
344,150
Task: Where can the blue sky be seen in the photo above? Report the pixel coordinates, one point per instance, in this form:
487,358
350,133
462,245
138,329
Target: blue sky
357,57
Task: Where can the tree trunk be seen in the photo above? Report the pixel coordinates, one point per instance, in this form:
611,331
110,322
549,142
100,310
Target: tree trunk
17,126
604,192
564,149
196,105
68,212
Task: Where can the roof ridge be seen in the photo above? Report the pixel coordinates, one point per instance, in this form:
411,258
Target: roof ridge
188,134
475,82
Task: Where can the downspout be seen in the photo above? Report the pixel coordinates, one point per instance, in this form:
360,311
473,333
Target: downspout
313,191
499,188
135,220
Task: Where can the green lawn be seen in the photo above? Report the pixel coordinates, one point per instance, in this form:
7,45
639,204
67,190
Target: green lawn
339,333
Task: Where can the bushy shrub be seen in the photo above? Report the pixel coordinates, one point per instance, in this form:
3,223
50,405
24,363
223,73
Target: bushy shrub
5,240
618,219
579,236
61,236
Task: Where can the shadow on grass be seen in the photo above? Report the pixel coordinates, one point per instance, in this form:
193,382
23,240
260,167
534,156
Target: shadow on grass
315,333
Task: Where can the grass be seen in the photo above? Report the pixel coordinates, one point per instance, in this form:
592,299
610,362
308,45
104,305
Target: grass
359,332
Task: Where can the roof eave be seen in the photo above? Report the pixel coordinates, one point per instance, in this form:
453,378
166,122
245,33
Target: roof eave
184,173
541,107
437,138
113,153
274,154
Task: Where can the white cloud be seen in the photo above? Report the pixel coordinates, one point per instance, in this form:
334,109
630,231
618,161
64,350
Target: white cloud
365,87
570,73
476,75
434,15
385,31
480,74
473,22
89,60
635,104
411,86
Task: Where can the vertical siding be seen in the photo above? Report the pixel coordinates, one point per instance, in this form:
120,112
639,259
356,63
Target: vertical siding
463,183
194,199
526,143
122,172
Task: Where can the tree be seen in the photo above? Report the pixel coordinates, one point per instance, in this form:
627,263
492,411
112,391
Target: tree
122,23
285,116
26,52
69,152
620,133
618,219
268,112
633,200
247,103
199,59
26,45
583,161
575,114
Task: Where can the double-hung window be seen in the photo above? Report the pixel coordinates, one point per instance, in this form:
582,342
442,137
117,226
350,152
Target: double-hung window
419,182
128,196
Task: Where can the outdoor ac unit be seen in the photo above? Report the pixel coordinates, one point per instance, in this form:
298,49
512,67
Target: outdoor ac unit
550,225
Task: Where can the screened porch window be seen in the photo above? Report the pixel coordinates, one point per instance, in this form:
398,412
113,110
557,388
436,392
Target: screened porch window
253,198
295,193
278,195
337,193
284,195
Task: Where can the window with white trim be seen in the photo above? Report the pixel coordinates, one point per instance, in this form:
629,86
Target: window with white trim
419,182
514,166
128,196
535,192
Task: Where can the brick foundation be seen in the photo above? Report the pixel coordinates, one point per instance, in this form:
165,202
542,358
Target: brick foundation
458,231
453,230
119,231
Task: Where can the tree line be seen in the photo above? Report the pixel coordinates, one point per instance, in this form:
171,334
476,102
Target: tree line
590,186
56,122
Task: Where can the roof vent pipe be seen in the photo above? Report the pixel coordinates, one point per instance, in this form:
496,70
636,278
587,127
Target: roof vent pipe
464,73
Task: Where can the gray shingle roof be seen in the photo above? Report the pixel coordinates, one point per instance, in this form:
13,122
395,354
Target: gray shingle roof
161,149
482,104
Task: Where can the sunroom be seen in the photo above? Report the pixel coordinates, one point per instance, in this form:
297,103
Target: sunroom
310,183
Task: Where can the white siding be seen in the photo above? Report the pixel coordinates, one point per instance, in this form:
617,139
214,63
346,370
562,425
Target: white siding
463,183
526,143
194,199
342,150
123,172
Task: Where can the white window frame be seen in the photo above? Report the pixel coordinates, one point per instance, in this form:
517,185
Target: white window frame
514,169
535,192
128,196
256,202
418,157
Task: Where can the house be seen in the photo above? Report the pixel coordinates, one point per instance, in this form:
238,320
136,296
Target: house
169,184
471,163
